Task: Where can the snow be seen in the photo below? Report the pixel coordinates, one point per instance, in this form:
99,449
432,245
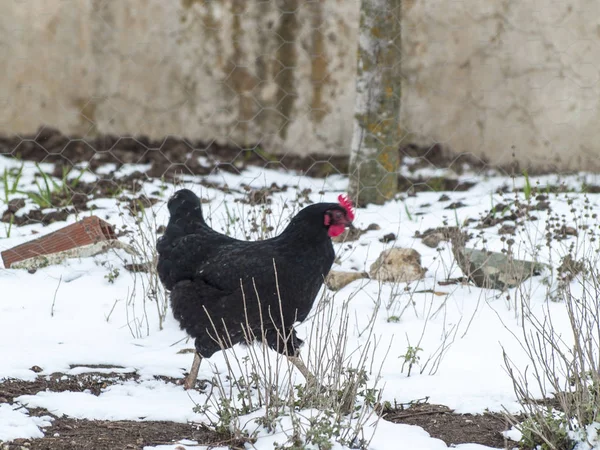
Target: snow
148,400
71,317
184,444
16,423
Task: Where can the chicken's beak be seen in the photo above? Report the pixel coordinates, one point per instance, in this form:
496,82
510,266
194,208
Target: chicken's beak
350,225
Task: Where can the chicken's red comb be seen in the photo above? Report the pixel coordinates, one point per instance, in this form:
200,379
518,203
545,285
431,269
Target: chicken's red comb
348,206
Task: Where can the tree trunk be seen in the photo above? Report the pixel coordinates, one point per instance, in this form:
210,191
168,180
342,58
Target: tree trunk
374,156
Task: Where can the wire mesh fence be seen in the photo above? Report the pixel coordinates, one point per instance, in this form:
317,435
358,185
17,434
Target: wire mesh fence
465,132
219,86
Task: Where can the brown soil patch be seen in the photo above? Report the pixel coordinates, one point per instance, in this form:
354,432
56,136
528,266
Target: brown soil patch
67,433
75,199
412,185
167,157
435,156
74,434
172,156
452,428
59,382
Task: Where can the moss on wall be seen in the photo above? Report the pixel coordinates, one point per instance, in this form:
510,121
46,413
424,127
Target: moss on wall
287,59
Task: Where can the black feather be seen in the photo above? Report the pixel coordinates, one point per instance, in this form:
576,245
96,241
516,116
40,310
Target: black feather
223,288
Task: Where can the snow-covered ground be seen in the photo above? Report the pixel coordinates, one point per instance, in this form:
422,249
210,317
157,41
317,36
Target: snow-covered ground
63,318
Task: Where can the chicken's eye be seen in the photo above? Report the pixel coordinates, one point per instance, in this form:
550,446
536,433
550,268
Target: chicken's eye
337,215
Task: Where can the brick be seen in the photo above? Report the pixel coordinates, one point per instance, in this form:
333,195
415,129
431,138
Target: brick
87,231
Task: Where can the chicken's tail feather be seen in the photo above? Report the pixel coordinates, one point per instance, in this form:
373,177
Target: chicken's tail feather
185,210
185,219
185,203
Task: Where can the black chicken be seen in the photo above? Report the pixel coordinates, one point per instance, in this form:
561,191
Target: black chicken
225,291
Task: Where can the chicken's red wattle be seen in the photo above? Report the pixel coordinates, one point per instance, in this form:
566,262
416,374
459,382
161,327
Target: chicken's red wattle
336,230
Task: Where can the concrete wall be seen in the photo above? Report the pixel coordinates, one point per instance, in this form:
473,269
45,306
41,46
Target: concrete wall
242,71
501,77
494,78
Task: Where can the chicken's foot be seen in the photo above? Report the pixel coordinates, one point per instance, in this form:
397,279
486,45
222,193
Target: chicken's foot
190,380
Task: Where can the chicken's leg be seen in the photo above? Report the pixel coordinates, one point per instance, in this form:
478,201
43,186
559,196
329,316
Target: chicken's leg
289,346
311,380
190,380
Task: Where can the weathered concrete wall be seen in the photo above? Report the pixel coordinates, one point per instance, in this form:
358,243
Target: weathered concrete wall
488,77
243,71
501,77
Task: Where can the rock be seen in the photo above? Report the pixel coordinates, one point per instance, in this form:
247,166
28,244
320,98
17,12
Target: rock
337,279
388,238
433,236
400,265
13,206
495,270
433,240
455,205
541,206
